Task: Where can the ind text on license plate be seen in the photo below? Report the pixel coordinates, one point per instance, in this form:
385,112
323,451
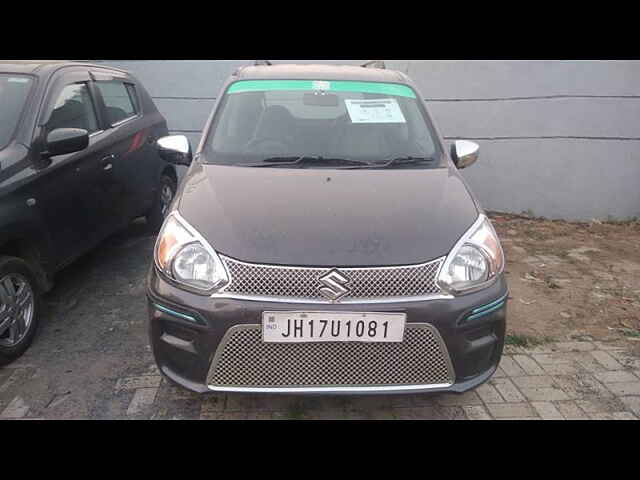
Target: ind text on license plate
291,327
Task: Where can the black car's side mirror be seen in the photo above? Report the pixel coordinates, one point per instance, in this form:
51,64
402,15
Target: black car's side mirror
175,149
66,140
464,153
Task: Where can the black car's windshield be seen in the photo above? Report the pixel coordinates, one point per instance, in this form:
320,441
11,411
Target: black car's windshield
14,90
320,124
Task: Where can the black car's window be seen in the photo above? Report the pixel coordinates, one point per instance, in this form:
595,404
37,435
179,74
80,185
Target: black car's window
363,121
119,100
73,109
14,90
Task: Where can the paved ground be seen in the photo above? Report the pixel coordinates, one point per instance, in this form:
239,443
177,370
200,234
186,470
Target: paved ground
91,360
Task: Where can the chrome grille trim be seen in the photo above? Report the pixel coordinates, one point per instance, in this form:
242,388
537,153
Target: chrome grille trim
301,284
244,363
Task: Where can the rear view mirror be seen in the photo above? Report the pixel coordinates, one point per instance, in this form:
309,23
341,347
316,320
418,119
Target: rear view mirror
321,99
66,140
175,149
464,153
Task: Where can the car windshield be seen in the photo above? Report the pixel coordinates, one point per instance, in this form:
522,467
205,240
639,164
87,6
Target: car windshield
321,124
13,94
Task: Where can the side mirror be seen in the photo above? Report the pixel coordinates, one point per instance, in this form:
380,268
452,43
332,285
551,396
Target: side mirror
464,153
175,149
66,140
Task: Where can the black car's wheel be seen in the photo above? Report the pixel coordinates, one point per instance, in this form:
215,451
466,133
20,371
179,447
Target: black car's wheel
19,308
160,208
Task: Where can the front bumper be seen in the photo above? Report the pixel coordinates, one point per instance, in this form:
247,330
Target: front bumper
186,330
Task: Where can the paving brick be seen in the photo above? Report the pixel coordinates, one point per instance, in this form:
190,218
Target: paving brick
240,402
561,369
133,383
510,367
259,416
613,416
601,405
544,359
233,416
624,416
213,403
547,411
534,381
571,411
615,377
588,362
18,374
142,398
507,389
632,403
626,359
211,415
528,365
511,410
574,346
609,347
544,394
489,394
456,399
625,388
16,409
580,386
499,373
606,360
476,412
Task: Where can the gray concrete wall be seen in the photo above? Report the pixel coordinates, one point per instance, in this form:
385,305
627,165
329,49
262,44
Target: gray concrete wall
560,139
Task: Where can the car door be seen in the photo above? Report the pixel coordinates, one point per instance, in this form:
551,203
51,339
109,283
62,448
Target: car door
73,190
131,137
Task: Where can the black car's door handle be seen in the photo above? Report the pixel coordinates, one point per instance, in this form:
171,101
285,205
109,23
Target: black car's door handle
106,162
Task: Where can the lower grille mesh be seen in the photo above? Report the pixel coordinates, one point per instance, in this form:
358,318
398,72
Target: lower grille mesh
244,360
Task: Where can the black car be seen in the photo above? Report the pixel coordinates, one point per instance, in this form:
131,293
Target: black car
323,241
77,162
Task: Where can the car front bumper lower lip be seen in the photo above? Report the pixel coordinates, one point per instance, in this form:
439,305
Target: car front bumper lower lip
186,329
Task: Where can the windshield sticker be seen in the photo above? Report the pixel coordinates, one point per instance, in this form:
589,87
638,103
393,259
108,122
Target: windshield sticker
382,110
319,85
17,80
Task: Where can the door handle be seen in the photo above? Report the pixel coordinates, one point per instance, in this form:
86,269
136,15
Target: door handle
106,162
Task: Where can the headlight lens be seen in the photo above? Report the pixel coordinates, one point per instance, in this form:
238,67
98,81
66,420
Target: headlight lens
184,256
474,261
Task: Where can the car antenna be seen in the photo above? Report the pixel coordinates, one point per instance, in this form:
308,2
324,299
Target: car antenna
374,64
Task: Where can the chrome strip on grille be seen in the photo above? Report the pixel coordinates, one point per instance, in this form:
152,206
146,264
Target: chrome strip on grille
302,284
243,362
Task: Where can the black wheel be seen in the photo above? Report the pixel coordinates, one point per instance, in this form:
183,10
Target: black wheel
19,308
160,208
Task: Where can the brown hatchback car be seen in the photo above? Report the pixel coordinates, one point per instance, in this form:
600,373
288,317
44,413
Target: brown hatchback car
323,241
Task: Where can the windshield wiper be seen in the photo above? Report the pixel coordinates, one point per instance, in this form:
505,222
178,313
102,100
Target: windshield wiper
393,161
300,160
409,160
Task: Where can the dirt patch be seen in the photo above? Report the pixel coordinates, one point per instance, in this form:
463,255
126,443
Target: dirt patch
572,280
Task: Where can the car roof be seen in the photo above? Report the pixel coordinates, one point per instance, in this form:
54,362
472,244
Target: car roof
45,67
320,72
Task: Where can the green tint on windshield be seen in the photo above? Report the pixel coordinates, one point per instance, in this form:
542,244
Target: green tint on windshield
328,85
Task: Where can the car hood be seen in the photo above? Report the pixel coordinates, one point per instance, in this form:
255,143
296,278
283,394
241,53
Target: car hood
321,217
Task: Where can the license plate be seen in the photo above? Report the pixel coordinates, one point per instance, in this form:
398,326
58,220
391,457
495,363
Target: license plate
298,327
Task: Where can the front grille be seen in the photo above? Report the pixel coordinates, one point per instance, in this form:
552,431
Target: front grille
243,360
247,279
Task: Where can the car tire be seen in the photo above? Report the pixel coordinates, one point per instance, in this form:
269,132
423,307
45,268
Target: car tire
163,200
17,283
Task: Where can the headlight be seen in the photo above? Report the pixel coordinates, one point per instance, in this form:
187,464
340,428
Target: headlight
184,256
474,261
